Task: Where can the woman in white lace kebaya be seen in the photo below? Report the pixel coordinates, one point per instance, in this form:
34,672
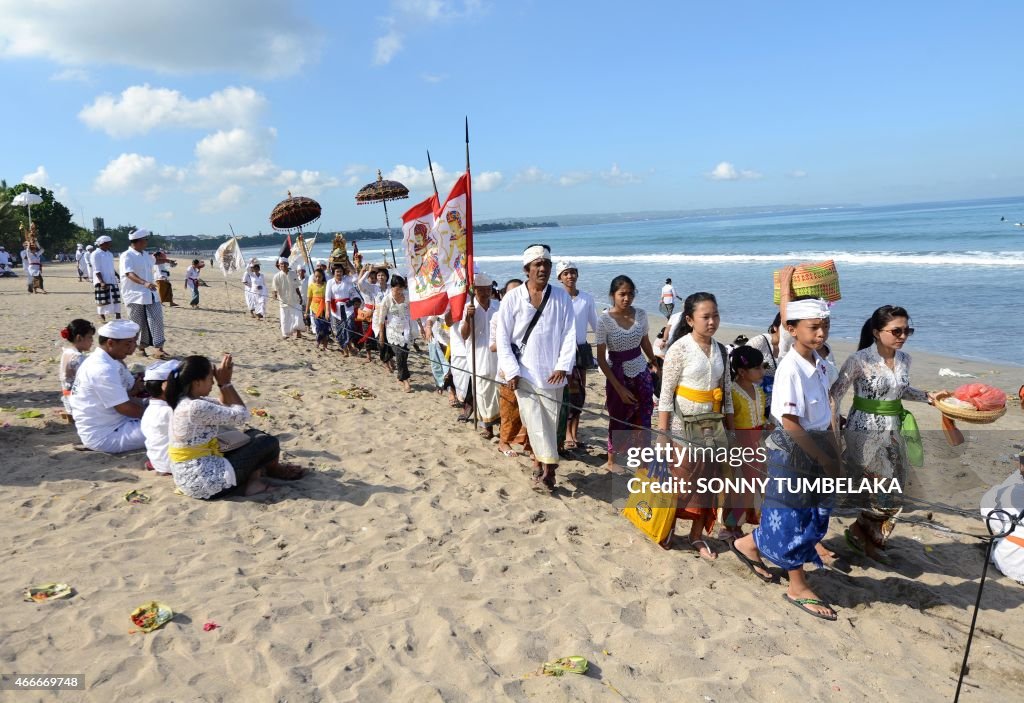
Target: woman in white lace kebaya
882,440
200,469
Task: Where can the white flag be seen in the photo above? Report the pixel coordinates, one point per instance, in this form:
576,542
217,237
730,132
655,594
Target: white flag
229,257
297,258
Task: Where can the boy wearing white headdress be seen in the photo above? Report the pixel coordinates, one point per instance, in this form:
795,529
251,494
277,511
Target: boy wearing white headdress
537,369
106,284
478,347
286,288
156,420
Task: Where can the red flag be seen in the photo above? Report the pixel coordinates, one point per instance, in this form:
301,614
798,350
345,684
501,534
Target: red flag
454,239
286,248
426,284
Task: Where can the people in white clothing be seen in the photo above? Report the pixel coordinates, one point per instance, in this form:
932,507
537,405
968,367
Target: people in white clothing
475,338
668,298
106,418
585,314
1008,496
139,292
106,284
536,341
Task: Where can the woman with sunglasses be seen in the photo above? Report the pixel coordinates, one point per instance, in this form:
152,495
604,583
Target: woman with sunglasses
882,440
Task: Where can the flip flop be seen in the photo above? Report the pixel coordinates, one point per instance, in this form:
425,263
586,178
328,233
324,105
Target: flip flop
751,564
802,603
510,453
694,547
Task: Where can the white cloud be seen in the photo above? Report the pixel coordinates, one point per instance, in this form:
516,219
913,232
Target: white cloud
412,15
134,172
616,176
386,47
487,181
799,173
419,178
725,171
531,174
266,38
39,178
573,178
73,75
141,109
229,197
236,153
309,183
353,174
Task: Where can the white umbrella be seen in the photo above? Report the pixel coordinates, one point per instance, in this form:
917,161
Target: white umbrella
28,200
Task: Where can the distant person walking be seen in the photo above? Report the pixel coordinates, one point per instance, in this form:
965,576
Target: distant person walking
668,298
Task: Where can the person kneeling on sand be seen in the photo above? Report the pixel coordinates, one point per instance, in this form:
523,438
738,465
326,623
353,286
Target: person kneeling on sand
201,470
106,418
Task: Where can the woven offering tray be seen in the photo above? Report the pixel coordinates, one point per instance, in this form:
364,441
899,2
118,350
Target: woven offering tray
980,417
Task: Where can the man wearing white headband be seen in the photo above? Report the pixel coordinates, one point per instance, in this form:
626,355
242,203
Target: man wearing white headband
106,418
139,291
106,284
536,341
286,288
585,313
480,311
156,421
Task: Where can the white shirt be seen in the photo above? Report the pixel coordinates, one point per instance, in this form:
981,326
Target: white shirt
801,389
1008,556
103,265
97,389
142,265
552,343
192,274
668,294
5,258
585,312
287,288
33,261
156,428
336,294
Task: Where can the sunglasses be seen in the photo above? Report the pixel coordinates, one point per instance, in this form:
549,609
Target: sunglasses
900,331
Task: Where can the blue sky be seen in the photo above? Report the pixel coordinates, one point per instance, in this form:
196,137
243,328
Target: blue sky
184,116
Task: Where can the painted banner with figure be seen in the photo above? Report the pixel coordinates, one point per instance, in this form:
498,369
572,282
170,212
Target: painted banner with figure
427,294
229,257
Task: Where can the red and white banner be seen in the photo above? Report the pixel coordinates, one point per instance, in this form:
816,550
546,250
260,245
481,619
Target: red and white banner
438,246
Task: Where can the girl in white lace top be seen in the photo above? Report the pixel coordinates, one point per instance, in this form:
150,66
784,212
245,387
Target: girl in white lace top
79,334
199,468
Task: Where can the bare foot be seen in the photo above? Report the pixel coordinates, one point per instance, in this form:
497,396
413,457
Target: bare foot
258,487
824,553
703,549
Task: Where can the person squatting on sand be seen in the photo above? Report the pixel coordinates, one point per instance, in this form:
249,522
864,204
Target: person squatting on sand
536,342
200,469
79,336
882,439
106,415
585,312
805,446
623,343
696,404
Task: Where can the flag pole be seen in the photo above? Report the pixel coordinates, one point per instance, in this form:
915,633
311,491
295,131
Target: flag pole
387,222
430,165
226,291
469,271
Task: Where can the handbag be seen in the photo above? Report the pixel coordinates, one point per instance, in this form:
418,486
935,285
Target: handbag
229,440
517,349
654,514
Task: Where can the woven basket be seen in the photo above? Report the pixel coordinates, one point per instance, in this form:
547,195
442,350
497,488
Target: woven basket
978,417
819,279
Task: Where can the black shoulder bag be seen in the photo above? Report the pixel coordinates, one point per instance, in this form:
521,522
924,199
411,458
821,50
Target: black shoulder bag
517,349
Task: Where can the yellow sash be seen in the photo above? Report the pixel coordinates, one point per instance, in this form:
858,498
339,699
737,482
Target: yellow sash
182,454
692,394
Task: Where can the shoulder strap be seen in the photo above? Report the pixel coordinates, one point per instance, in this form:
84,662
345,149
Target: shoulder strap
536,315
725,363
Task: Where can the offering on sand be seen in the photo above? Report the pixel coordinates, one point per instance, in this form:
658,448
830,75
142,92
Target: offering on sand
48,591
151,616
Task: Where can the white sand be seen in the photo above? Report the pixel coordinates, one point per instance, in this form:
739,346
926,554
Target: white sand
415,564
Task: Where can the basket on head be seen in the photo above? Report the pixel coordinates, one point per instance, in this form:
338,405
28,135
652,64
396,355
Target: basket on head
818,279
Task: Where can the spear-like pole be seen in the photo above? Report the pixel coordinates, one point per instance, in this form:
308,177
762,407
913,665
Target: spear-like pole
469,271
430,165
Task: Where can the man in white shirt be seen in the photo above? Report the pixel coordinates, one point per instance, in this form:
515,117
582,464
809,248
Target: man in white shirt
585,315
139,293
192,282
668,298
80,266
106,419
87,260
105,280
286,288
537,368
478,348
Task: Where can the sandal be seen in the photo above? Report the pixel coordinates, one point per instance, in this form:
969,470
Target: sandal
802,603
570,445
752,565
694,547
510,453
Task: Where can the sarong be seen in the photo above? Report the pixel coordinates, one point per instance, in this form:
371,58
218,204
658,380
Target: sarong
461,377
108,299
150,319
621,433
512,430
291,321
487,400
165,290
538,408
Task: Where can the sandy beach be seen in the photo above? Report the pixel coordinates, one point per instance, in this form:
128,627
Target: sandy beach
415,564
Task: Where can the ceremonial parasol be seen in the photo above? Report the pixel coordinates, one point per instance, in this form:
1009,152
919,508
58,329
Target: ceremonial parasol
381,191
28,200
294,213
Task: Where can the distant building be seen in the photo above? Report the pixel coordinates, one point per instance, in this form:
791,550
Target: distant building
97,226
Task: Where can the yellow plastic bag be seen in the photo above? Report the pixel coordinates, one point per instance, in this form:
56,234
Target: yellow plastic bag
653,513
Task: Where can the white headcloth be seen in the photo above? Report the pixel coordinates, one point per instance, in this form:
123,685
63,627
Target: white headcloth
812,309
535,252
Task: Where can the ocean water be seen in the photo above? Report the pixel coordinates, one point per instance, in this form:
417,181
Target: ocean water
955,266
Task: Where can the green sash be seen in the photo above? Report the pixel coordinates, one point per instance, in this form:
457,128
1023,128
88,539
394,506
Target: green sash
908,424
